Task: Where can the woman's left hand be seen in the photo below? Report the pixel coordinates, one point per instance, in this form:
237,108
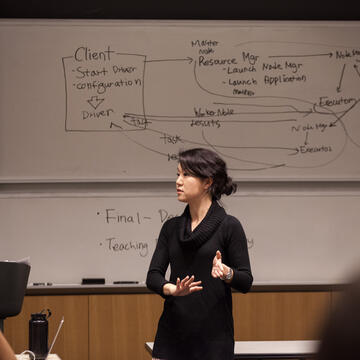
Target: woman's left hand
220,270
217,270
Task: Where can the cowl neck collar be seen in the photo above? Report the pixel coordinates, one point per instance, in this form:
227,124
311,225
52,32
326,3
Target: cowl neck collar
203,232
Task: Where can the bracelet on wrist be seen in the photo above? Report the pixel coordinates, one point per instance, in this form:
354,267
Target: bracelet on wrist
229,275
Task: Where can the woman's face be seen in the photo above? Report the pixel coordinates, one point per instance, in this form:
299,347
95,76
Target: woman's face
190,188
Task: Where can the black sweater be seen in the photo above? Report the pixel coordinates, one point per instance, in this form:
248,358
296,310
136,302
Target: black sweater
200,325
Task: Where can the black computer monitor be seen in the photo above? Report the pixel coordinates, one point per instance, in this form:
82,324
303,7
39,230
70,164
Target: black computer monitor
13,281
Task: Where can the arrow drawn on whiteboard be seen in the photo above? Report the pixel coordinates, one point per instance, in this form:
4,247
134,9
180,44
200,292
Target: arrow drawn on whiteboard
186,118
112,124
264,165
94,101
189,59
302,55
206,142
338,118
338,89
145,147
295,110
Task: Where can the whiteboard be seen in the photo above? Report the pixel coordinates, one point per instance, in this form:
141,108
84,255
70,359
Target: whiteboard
292,239
116,100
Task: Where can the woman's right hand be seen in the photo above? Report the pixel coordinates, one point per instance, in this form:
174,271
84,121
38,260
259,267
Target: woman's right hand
183,287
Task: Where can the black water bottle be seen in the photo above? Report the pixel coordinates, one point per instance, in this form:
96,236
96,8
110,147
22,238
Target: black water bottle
38,334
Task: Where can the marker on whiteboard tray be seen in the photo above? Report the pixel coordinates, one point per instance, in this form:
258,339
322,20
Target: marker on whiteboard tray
93,281
125,282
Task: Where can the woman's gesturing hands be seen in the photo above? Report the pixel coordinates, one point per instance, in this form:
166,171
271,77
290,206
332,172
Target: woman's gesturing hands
183,287
220,270
188,285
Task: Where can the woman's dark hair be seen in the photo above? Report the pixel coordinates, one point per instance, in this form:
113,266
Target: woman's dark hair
204,163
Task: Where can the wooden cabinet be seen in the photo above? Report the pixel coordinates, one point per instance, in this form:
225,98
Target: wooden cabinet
280,315
116,326
120,325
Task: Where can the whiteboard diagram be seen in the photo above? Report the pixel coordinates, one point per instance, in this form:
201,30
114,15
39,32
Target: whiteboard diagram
276,100
249,100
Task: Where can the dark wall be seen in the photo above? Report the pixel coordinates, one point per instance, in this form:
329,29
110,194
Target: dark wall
175,9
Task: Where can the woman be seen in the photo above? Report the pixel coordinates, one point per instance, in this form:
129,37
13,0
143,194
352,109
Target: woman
207,252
